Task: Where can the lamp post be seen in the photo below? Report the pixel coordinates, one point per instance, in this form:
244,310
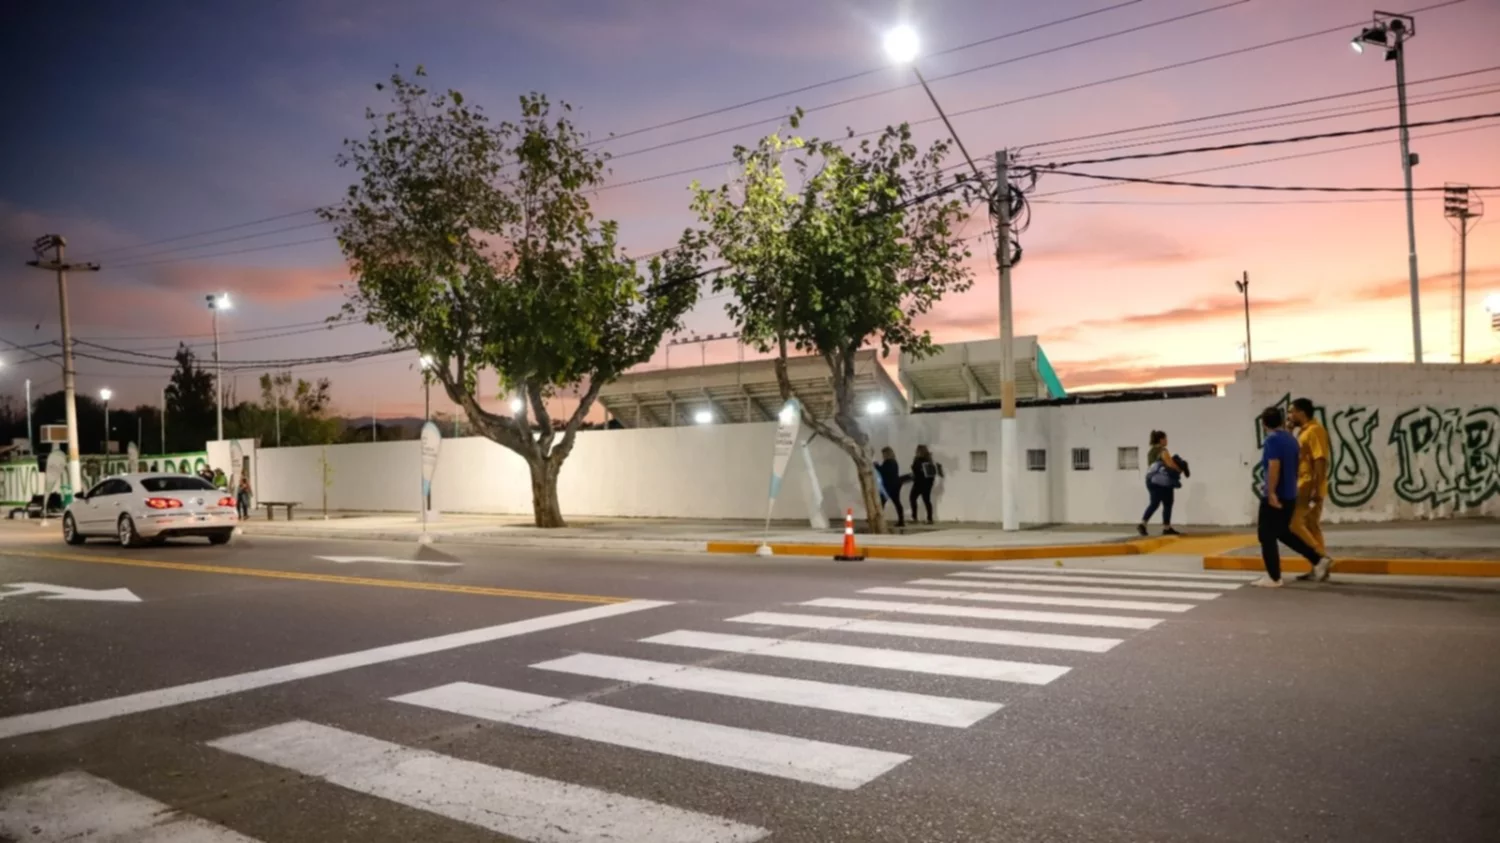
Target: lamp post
217,303
1243,285
902,46
1460,206
426,363
1391,32
104,395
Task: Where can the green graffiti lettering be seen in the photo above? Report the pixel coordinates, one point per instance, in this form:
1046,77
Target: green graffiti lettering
1480,437
1429,455
1355,476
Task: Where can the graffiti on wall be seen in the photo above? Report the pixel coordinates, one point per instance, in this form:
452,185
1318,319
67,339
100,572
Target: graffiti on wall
1445,457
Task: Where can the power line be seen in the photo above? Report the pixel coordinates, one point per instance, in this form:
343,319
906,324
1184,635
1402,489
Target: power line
226,254
860,75
1267,187
1260,124
1202,202
237,239
871,95
1274,107
208,231
1345,133
326,321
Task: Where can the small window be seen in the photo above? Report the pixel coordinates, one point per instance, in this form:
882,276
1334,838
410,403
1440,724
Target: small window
1080,459
1130,459
979,461
1036,459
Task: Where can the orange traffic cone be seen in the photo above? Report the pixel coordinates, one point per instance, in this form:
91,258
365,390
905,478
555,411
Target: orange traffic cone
851,552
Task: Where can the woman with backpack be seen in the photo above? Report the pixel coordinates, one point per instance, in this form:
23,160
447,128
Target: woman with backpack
1163,477
924,475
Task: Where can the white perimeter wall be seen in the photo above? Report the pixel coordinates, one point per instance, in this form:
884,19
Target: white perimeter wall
721,471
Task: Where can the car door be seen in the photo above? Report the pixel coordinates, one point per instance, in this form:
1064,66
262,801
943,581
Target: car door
114,495
86,509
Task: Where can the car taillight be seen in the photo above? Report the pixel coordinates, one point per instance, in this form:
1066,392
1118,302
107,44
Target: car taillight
226,501
163,503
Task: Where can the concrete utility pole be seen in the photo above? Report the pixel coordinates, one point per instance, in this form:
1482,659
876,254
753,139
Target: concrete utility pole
30,445
59,264
1460,207
164,421
1010,450
216,304
1243,285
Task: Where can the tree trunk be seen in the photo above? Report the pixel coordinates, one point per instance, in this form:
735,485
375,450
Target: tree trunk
544,503
874,512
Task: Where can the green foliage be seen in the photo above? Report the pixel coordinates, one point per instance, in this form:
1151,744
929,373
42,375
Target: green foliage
474,241
299,407
191,417
863,244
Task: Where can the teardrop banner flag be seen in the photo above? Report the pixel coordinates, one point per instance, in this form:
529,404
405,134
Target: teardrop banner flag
788,425
432,444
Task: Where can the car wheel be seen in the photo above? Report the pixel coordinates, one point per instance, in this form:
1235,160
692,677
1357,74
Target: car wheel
128,536
70,530
221,537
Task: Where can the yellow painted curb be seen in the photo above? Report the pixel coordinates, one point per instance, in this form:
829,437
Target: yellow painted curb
955,554
1401,567
414,585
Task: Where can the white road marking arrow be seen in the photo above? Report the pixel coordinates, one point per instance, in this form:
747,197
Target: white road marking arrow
63,592
345,560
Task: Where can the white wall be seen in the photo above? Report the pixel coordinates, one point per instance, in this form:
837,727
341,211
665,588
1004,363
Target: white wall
722,471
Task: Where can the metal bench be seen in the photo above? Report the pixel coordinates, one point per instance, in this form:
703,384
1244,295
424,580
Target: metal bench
270,506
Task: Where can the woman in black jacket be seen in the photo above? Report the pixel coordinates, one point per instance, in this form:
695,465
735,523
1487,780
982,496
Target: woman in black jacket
890,482
924,475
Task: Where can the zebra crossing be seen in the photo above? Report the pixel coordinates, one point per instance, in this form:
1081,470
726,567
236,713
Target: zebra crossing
880,633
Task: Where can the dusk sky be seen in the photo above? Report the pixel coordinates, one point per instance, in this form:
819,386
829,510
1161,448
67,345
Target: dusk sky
135,123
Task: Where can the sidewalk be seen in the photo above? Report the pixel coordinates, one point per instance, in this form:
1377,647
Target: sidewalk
955,543
1465,548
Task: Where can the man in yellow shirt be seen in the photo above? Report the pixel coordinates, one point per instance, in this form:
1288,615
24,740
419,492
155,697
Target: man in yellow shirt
1315,452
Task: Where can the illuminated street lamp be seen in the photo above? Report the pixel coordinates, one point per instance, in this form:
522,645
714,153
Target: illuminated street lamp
877,407
104,395
217,303
427,363
1390,32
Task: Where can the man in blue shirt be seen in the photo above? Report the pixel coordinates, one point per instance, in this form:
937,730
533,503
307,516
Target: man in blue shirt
1279,456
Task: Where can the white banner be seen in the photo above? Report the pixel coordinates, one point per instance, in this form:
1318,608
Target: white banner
789,423
432,444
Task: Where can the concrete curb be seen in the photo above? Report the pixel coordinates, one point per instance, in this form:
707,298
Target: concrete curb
1400,567
902,553
559,543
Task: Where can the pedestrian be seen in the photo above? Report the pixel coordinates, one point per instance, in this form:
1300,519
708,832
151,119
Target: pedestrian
924,475
220,480
891,479
1313,453
1163,478
1279,457
242,498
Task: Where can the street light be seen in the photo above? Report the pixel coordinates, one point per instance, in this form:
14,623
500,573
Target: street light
1391,32
902,46
105,394
516,405
704,417
217,303
427,363
876,407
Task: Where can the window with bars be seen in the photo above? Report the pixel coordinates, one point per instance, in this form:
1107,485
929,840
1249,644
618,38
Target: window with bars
979,461
1080,459
1036,459
1130,459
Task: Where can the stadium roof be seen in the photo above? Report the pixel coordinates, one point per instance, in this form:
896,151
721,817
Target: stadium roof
968,373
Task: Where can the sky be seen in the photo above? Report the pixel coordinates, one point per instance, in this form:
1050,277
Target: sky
140,124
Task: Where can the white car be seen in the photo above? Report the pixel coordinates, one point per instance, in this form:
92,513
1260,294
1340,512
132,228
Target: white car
140,508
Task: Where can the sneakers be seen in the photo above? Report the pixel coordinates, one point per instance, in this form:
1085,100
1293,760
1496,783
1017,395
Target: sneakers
1322,569
1141,528
1266,582
1170,532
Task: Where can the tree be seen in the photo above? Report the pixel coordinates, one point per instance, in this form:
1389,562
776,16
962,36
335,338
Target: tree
475,243
291,412
865,245
191,418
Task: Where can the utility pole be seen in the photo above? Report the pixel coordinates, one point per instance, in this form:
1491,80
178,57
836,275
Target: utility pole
216,304
59,264
30,448
1010,450
1459,207
164,421
1243,285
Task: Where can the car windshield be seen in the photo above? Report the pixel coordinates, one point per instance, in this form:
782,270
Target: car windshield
176,484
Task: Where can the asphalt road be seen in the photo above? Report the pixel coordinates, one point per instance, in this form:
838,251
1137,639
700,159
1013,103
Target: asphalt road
268,694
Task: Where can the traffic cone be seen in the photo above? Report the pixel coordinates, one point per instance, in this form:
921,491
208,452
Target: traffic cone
851,552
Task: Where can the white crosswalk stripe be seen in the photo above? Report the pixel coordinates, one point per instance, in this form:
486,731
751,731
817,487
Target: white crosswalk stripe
1072,589
938,632
815,762
1090,579
79,806
505,801
1118,572
931,663
1031,599
829,696
984,612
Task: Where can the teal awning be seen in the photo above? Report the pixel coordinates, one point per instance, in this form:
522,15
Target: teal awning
1049,377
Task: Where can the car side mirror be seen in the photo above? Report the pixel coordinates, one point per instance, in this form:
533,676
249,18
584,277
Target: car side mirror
81,496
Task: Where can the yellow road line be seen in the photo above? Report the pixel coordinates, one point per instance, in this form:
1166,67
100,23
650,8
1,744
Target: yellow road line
338,579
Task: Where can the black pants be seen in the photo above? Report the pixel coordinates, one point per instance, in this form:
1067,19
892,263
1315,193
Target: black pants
1161,496
923,493
1276,526
900,513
